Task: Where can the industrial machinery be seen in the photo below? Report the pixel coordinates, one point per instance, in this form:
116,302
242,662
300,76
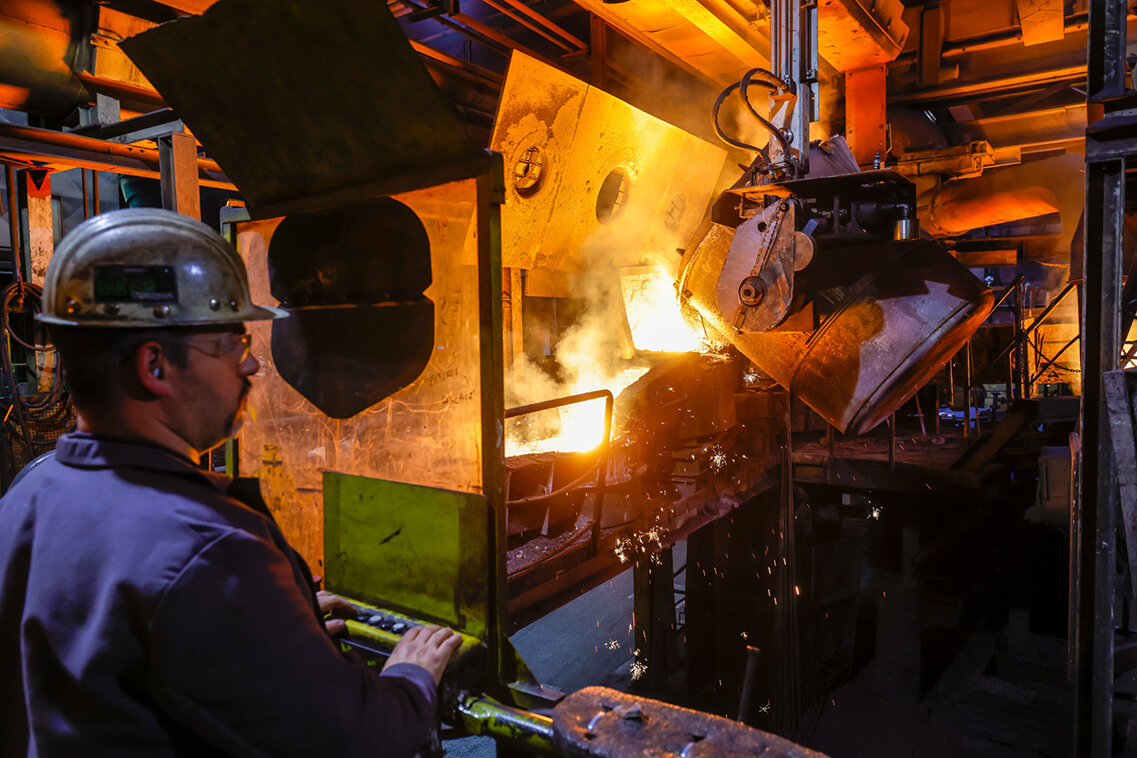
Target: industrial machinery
382,405
824,284
509,375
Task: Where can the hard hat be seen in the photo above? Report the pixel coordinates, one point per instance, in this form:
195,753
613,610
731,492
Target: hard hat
147,267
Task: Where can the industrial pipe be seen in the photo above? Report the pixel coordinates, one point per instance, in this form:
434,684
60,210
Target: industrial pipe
1073,24
76,151
1027,190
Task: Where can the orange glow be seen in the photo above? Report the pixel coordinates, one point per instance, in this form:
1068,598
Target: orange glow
654,315
657,324
581,425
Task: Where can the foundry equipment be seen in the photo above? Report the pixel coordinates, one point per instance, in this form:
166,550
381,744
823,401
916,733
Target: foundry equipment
815,270
823,283
383,405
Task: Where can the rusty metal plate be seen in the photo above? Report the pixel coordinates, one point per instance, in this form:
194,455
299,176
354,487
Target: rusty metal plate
242,78
589,178
597,721
851,36
900,310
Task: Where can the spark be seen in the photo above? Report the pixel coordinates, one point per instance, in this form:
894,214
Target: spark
765,708
745,636
612,645
875,512
638,670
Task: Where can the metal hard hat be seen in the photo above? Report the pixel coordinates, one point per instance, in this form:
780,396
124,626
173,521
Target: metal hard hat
147,267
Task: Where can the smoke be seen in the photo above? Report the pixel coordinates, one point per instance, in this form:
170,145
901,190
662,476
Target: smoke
667,92
595,352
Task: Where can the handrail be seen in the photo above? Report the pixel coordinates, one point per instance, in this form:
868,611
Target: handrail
605,447
1026,332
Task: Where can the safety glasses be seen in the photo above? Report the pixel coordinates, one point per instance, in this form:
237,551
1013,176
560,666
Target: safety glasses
222,346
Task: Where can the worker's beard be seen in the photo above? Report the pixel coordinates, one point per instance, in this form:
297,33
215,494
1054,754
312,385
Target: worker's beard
237,420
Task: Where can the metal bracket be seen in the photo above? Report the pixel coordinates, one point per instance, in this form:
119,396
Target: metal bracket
434,9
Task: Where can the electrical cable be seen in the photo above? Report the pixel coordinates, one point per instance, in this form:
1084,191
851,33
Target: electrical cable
744,94
718,128
774,84
53,402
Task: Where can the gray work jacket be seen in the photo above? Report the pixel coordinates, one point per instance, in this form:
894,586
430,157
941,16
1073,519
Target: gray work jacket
148,608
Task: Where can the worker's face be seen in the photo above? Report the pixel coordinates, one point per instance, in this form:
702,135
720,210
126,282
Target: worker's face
214,386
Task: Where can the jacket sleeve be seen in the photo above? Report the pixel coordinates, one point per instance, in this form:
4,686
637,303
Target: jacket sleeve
237,656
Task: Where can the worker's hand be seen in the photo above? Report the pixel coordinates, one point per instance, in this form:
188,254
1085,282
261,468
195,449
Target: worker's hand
427,646
335,606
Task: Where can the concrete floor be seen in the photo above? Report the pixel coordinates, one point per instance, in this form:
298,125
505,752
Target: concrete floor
587,642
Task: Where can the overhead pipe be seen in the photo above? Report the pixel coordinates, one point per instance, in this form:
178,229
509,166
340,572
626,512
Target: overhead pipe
1013,193
1074,24
75,151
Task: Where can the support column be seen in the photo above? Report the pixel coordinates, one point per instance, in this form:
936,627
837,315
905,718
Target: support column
1110,140
653,579
177,157
865,114
599,52
1101,348
37,231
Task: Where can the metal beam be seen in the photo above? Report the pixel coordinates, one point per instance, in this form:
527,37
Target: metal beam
1101,347
44,146
1094,525
37,228
181,191
1003,85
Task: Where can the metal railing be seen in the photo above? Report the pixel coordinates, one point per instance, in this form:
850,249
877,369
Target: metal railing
602,461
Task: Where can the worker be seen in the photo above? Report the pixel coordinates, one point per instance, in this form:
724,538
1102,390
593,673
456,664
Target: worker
148,606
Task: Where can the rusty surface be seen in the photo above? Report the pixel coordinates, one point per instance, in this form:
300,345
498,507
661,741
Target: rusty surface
597,721
853,36
896,313
1052,185
426,433
756,286
590,180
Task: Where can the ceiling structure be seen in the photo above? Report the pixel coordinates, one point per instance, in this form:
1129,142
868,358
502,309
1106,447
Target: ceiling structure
939,90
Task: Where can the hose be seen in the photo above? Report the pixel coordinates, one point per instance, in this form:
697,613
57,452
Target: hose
754,76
